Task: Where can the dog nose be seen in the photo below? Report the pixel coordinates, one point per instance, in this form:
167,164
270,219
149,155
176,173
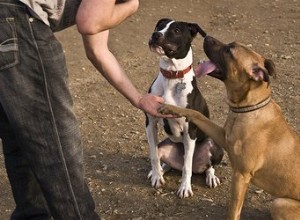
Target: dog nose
156,35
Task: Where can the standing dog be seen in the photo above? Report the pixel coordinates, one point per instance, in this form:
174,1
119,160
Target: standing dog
262,147
176,83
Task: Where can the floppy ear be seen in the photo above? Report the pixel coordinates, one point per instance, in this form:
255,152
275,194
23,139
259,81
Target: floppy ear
195,28
270,66
259,74
263,73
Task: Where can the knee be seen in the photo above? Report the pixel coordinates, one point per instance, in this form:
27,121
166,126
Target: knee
161,153
285,209
276,208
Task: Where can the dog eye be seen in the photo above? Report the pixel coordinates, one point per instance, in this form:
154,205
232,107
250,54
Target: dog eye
171,51
228,49
177,30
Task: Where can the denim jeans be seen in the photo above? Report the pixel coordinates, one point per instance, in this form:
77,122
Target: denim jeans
39,131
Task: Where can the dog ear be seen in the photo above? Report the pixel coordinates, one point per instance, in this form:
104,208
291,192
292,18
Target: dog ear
259,74
263,73
270,66
195,29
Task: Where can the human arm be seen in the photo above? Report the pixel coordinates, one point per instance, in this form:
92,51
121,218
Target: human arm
98,53
95,16
102,15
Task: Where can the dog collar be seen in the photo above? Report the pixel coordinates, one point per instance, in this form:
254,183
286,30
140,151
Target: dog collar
252,107
175,74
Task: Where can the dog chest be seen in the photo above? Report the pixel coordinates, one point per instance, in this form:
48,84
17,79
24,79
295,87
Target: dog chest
176,91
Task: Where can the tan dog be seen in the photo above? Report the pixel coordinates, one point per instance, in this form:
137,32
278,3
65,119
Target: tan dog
262,147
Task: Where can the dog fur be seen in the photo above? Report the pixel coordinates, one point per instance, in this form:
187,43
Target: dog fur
171,40
262,147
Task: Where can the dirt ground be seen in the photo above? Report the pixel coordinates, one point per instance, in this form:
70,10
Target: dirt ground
113,133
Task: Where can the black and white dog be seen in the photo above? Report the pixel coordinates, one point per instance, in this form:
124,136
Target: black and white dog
176,83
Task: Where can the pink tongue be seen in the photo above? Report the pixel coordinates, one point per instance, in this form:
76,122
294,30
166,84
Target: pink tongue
204,68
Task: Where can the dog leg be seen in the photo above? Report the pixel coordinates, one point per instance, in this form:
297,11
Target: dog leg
185,189
212,130
156,174
285,209
239,188
171,153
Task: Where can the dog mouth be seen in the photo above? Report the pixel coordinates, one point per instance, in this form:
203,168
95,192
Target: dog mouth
164,50
157,49
206,68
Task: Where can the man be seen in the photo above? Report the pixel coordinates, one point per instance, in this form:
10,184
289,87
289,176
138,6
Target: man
39,131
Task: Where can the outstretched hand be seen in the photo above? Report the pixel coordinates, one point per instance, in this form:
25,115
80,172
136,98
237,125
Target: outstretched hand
151,104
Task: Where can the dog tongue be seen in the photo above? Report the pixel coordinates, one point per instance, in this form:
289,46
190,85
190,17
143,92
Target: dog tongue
204,68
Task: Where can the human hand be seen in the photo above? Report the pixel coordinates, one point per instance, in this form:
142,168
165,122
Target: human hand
150,104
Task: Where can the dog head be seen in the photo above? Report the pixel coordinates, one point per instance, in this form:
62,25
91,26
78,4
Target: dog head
234,62
173,38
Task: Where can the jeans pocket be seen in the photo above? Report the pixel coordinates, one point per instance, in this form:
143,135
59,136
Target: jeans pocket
8,43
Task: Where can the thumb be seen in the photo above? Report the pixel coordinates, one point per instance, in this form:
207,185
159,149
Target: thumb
160,99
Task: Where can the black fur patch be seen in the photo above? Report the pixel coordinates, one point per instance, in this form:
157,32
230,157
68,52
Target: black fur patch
167,127
197,102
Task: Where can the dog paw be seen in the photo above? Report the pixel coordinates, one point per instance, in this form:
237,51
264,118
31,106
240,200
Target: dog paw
212,181
168,110
157,179
185,190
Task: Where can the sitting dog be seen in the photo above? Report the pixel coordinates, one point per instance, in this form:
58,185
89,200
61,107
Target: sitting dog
176,83
262,147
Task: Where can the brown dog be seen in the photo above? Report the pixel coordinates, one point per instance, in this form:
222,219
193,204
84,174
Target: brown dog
262,147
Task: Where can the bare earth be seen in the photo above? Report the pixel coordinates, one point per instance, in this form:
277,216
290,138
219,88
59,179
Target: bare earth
113,133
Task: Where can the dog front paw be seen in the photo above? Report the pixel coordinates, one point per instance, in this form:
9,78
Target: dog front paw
212,181
185,190
157,179
166,109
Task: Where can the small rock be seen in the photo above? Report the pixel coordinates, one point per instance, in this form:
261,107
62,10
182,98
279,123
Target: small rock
259,191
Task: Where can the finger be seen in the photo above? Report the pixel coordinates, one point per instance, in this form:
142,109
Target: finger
159,99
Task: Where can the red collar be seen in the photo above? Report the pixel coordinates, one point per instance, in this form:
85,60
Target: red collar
175,74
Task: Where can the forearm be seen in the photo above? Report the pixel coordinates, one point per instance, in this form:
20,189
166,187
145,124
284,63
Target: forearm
107,64
95,16
115,75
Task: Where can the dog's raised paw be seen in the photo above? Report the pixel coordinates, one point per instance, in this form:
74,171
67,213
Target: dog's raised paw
168,110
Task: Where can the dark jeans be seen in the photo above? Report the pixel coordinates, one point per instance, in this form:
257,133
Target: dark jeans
39,131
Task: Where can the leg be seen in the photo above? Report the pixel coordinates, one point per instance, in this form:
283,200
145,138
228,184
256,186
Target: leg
239,188
285,209
21,177
171,153
30,202
36,100
185,189
212,130
156,173
207,154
